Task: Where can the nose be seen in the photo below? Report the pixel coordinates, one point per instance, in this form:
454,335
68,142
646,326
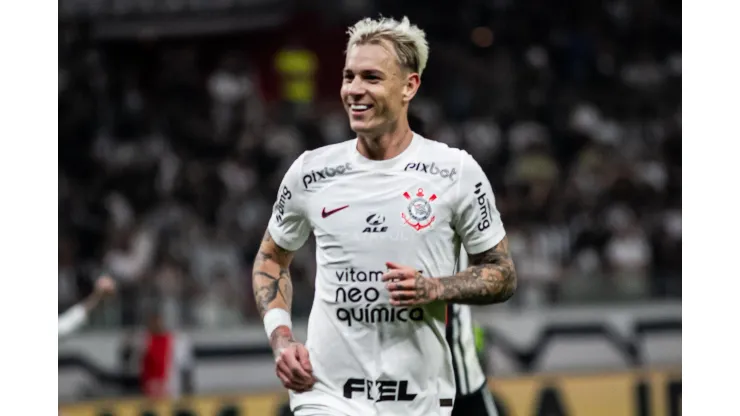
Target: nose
355,88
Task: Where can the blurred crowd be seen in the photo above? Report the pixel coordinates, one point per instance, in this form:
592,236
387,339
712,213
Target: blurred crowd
171,150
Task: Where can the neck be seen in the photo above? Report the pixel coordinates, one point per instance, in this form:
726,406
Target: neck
387,145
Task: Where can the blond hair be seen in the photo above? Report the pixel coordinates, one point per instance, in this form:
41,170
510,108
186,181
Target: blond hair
409,42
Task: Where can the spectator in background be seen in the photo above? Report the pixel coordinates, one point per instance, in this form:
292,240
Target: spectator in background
231,89
129,257
173,287
131,253
71,320
166,367
628,255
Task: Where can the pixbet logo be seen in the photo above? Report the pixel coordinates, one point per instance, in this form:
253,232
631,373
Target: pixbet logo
327,172
284,197
484,207
431,169
379,390
375,224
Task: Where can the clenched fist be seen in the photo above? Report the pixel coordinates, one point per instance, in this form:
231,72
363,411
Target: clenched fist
292,364
105,286
408,287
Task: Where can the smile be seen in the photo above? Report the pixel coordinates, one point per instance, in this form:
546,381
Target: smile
359,108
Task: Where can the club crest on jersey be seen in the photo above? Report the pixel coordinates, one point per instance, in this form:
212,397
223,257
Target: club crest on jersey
419,213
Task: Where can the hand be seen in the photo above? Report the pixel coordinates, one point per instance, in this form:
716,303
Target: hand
408,287
293,366
105,286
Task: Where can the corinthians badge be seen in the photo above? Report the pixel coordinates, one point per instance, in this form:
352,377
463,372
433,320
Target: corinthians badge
418,214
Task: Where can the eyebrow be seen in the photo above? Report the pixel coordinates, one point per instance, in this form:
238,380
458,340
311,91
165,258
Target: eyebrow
364,72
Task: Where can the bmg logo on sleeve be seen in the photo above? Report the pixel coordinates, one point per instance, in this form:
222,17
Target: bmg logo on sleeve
432,169
283,198
484,207
327,172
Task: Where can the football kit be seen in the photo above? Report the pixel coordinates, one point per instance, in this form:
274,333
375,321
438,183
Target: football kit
417,209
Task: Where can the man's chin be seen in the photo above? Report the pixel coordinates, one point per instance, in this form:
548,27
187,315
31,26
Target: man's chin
362,127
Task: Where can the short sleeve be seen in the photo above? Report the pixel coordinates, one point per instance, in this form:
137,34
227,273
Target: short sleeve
71,320
289,226
476,219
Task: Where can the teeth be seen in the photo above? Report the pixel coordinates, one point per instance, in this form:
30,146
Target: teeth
359,107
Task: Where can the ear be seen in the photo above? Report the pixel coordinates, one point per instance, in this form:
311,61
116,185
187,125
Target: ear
411,86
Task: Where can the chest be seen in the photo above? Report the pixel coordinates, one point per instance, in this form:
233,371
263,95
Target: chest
382,212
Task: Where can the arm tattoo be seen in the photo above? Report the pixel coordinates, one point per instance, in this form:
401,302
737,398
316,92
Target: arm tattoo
281,255
271,287
425,287
491,278
271,278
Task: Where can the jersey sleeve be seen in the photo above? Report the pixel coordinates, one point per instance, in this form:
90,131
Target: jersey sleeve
476,219
71,320
289,226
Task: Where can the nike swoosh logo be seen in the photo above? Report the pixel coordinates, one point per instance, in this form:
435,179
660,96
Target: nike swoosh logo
325,213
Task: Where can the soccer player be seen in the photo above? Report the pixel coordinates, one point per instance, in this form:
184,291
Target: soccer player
75,317
389,211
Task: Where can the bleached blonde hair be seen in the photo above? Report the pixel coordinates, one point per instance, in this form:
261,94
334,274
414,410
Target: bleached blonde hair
409,42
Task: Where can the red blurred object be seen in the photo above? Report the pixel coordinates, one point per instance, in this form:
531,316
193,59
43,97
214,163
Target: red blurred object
156,364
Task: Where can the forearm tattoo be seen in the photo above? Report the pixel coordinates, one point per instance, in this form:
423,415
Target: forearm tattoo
491,278
271,282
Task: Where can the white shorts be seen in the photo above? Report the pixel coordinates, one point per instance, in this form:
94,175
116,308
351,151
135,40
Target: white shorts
316,410
317,404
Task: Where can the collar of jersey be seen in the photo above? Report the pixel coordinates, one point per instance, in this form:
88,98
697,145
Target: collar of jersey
360,160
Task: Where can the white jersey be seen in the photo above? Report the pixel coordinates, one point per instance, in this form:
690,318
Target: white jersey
416,209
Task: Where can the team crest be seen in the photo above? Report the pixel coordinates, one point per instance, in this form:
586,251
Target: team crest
419,213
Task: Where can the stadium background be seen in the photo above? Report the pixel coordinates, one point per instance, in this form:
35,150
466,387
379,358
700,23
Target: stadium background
178,119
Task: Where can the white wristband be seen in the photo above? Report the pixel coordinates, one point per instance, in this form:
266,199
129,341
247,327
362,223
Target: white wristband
274,318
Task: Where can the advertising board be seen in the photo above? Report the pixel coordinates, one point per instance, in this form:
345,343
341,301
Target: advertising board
628,393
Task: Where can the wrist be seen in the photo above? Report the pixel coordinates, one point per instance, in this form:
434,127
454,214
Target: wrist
280,338
437,289
277,318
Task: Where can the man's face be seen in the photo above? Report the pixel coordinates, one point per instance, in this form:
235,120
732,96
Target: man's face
375,88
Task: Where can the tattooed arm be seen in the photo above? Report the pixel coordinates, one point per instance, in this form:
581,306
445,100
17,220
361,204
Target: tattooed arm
272,285
491,278
274,290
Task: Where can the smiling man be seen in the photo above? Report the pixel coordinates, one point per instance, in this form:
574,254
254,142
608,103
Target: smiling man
390,211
